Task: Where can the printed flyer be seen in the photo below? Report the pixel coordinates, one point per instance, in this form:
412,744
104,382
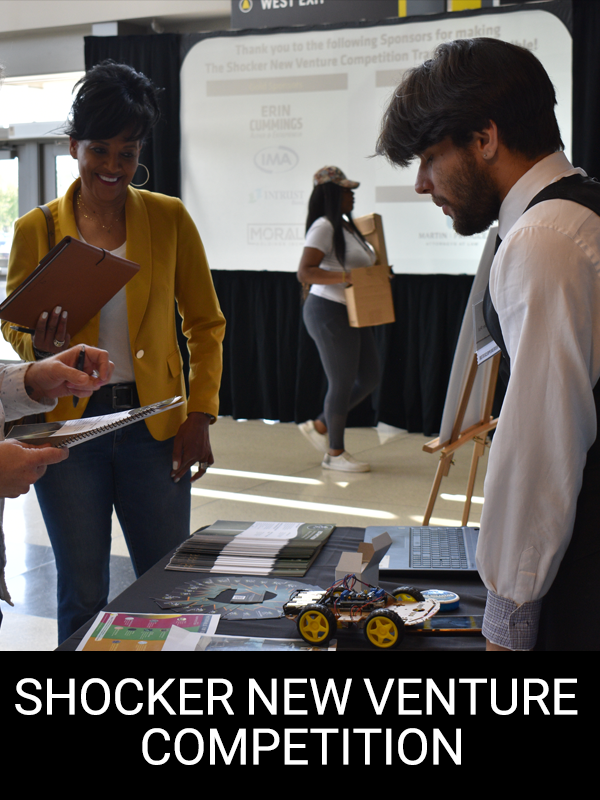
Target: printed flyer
122,631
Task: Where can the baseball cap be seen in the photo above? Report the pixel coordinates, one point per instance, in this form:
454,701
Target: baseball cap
333,175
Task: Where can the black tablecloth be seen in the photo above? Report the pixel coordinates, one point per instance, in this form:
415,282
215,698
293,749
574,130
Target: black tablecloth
158,581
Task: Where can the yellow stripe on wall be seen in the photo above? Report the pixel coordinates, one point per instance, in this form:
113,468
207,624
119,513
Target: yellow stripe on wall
454,5
463,5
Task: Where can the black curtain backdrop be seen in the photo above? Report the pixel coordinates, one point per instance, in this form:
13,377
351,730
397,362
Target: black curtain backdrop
271,366
586,86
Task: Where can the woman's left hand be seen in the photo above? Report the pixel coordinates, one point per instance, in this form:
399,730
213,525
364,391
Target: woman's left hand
51,332
192,445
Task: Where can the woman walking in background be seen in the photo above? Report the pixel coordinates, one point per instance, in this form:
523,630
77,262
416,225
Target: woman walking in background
332,248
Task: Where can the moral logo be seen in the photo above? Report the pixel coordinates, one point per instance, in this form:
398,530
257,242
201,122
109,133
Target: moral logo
272,233
276,159
245,6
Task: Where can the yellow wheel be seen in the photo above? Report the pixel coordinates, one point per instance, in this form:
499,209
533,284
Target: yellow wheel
408,594
316,624
384,629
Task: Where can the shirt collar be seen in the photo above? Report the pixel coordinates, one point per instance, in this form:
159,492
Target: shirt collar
548,170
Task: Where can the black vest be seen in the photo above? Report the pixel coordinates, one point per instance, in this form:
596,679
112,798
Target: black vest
579,573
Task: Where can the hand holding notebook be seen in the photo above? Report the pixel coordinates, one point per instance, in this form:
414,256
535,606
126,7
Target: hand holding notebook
21,466
75,431
74,276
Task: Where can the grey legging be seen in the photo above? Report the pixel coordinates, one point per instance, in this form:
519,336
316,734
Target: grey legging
350,360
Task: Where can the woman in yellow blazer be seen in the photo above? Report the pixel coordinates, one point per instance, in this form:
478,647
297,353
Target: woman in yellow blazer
143,471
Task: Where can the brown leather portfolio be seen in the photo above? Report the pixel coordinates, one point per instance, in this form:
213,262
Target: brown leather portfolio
76,276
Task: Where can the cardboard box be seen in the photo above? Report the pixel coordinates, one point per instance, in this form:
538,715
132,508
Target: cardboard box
369,299
371,227
364,563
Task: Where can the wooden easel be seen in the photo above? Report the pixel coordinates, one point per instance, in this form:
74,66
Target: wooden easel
476,433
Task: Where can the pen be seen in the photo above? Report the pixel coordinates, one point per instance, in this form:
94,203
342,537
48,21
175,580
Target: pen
79,366
23,330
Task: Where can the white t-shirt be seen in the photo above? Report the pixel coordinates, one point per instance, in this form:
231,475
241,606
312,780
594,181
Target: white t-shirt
113,335
358,254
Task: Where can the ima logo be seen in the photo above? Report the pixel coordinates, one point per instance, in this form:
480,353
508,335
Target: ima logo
276,159
245,6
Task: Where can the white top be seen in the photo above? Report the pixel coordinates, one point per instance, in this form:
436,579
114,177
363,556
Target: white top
358,254
545,286
113,335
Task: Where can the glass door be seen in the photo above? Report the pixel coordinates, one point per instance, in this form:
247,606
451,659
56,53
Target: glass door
9,211
42,170
60,170
35,165
9,204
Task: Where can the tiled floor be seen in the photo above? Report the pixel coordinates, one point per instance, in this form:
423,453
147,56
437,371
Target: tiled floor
262,472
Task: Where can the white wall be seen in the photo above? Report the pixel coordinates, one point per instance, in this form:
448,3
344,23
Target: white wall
29,15
40,37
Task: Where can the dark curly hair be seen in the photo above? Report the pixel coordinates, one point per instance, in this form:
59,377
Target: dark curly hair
467,84
112,98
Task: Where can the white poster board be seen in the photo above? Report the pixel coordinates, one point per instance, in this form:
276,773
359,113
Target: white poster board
262,112
463,356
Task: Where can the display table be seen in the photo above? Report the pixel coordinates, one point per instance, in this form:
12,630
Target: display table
158,582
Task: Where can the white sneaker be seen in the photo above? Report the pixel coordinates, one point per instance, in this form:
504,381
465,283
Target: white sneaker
318,440
344,463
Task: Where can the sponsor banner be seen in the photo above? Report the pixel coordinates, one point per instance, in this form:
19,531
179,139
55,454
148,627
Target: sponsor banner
262,113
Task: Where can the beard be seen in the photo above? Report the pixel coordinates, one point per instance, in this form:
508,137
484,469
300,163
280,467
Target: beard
475,202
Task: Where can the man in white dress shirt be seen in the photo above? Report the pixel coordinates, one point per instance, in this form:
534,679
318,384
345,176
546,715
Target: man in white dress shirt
33,389
479,117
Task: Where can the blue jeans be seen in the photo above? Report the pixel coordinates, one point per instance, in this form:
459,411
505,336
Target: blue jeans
127,470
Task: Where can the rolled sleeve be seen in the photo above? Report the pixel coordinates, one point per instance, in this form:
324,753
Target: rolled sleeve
510,625
14,397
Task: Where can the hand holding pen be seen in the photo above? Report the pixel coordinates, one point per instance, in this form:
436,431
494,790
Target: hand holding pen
79,366
79,371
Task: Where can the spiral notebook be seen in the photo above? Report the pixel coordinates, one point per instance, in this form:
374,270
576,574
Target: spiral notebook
75,431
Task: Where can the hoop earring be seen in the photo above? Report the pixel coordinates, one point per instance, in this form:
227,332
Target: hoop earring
139,185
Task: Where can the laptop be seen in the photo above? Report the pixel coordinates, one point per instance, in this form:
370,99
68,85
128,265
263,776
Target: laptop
427,548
